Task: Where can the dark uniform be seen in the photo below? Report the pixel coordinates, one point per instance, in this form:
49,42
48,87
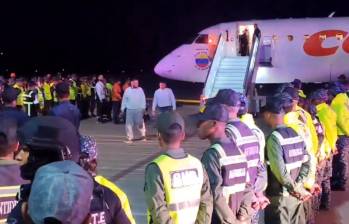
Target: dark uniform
10,182
68,111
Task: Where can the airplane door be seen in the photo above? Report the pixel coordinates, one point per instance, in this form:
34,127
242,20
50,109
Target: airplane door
265,53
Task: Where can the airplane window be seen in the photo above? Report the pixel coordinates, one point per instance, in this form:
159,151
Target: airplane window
191,39
202,39
290,37
339,36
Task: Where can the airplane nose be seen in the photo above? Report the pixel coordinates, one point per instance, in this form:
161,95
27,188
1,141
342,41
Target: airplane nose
162,69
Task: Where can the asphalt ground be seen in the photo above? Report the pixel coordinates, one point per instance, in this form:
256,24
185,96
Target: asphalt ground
124,164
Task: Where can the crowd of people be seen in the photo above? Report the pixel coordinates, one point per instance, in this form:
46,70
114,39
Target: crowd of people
244,176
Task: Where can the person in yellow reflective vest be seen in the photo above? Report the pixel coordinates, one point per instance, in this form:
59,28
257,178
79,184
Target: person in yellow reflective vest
41,97
340,105
72,91
328,119
48,99
177,189
117,209
85,98
19,85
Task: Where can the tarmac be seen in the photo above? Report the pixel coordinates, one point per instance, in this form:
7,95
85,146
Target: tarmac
124,164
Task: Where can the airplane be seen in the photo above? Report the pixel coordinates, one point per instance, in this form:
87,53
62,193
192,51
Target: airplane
311,49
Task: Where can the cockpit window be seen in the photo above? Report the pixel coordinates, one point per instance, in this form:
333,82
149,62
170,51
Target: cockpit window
202,39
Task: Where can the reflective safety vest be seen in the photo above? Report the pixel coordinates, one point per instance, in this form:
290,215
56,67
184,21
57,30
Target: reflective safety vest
248,143
47,91
293,151
19,101
72,92
121,195
183,180
293,121
323,143
249,121
234,170
340,105
10,182
40,99
328,118
28,101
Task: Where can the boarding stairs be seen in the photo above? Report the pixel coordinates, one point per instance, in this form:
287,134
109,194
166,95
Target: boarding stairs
229,71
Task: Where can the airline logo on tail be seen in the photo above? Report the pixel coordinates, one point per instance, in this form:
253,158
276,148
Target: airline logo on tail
313,45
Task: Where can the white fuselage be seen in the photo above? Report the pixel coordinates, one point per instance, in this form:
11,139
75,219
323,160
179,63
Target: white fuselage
312,50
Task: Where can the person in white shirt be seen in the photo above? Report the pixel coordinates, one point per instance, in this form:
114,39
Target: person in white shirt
134,103
100,98
164,99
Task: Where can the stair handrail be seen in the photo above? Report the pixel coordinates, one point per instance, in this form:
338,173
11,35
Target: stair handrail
251,68
212,71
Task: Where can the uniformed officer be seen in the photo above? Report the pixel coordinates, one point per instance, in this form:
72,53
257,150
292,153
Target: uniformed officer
227,168
19,85
340,105
43,140
288,167
10,180
294,120
327,118
248,142
47,94
65,109
29,98
109,204
9,110
177,188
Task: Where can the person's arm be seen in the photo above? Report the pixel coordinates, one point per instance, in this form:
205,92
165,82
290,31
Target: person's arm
343,119
206,202
262,179
173,100
154,102
124,101
155,196
143,101
245,211
210,160
277,164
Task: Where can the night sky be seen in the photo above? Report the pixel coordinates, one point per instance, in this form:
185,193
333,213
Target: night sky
101,35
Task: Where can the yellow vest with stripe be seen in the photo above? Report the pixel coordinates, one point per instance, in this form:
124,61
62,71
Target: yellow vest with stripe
183,180
47,91
20,96
340,105
121,195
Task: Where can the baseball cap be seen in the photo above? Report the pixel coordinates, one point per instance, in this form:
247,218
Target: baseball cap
296,82
167,119
62,88
274,105
62,191
292,92
8,131
89,146
48,132
319,94
215,112
10,94
226,96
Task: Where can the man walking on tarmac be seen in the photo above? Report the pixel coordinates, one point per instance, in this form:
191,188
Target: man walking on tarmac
134,103
177,188
288,167
227,168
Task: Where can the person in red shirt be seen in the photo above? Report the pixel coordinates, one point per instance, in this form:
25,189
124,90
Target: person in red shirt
116,100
